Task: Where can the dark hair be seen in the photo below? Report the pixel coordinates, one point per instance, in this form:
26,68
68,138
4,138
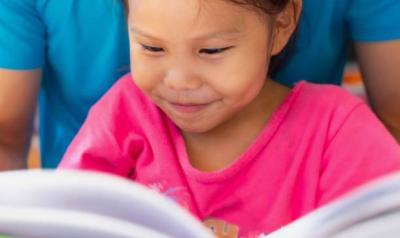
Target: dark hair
268,7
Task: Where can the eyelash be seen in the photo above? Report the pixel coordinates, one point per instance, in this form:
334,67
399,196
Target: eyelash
210,51
214,51
152,49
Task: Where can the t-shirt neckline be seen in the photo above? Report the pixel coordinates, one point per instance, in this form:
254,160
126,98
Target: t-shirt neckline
248,155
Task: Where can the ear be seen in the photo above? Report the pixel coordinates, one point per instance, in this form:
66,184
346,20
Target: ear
285,24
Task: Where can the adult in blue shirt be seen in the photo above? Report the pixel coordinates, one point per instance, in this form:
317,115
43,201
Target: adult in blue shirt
70,52
65,52
329,27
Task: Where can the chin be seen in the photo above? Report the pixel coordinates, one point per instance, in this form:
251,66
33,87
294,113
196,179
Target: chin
193,127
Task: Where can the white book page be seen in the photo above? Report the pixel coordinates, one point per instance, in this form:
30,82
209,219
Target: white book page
54,223
98,194
369,204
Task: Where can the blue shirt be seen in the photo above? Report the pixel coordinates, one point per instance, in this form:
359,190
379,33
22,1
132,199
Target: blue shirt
326,29
82,47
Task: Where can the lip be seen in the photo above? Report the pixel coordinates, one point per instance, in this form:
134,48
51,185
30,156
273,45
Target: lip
189,108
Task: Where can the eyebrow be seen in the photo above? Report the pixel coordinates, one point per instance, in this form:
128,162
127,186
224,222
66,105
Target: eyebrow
208,35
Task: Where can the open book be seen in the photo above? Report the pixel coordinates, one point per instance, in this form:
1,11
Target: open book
69,204
372,211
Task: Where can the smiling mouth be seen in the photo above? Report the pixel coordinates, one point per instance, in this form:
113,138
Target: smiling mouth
189,108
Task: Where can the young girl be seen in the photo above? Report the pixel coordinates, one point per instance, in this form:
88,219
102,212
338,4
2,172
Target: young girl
199,120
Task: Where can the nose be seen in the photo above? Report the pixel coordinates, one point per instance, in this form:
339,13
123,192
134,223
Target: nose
182,77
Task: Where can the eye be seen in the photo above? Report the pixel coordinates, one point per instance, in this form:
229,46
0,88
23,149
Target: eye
213,51
153,49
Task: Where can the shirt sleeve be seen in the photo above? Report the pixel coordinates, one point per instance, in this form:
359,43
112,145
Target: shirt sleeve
105,142
22,35
374,20
360,150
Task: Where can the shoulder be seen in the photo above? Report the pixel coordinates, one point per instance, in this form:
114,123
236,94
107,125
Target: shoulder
125,114
325,96
371,20
22,34
124,94
125,103
324,108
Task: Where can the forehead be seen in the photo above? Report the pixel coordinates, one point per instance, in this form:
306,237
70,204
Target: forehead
190,15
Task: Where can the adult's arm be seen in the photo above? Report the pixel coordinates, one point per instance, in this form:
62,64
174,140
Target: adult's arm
18,97
380,67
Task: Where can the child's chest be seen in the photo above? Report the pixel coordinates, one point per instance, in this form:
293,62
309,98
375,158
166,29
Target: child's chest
241,207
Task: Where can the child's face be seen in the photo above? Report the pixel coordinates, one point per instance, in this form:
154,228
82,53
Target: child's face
201,61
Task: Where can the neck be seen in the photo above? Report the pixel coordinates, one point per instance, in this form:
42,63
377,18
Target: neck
222,145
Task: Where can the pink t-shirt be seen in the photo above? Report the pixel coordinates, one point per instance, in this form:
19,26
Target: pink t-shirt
320,143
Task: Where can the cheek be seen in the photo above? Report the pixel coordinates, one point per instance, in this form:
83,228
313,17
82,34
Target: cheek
241,79
247,88
144,72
